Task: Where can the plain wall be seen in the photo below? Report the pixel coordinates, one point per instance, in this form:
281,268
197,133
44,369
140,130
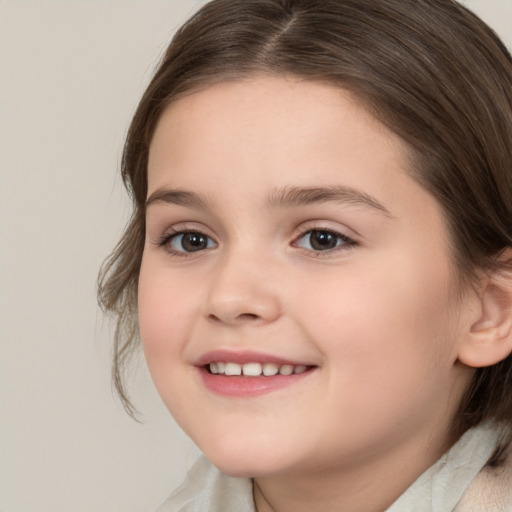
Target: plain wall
71,75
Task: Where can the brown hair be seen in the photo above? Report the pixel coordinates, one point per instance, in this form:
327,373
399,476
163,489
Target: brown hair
430,70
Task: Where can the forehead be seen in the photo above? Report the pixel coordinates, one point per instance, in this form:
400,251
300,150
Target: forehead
272,122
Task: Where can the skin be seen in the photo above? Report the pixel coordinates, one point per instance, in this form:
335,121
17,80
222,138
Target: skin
380,318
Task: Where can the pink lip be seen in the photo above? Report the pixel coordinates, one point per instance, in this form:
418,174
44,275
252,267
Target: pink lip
243,386
246,387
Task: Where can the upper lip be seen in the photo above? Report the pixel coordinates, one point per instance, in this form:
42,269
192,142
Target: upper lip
243,357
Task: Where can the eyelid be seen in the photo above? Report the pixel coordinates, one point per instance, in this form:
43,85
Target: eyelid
175,228
166,243
349,241
165,239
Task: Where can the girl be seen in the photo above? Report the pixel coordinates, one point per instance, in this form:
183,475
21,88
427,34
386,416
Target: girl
318,261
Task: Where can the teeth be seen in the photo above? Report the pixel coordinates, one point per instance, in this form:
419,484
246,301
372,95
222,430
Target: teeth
270,369
233,369
286,369
252,369
255,369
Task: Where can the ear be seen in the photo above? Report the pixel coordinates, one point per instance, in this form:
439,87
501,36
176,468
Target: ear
489,339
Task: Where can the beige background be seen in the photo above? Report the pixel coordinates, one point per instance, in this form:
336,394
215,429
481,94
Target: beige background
71,74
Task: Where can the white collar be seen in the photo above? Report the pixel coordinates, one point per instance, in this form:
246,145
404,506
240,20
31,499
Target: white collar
441,487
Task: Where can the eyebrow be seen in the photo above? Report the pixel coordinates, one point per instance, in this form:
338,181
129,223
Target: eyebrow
179,197
300,196
283,197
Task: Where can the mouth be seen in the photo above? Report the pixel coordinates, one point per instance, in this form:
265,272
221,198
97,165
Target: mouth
248,374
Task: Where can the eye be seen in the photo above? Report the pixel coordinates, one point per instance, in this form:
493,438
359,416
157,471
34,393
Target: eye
188,241
321,240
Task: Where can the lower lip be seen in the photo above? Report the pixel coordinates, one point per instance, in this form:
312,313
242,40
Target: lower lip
242,386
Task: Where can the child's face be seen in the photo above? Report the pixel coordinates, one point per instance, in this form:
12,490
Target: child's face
300,238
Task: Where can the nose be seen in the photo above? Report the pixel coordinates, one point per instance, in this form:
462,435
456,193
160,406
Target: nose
242,291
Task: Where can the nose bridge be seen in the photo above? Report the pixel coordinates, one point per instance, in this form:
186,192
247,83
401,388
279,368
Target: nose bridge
242,289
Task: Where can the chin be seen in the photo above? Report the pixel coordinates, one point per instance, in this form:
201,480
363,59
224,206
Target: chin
248,463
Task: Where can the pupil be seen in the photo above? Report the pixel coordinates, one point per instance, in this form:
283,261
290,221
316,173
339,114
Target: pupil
323,240
194,242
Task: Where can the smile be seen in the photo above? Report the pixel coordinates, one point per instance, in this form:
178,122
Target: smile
255,369
249,374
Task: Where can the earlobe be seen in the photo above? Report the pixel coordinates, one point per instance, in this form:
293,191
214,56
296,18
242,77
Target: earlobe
489,339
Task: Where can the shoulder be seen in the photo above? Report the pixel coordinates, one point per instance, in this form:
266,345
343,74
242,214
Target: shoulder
206,488
491,490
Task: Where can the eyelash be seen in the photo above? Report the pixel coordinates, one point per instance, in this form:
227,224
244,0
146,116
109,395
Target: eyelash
343,242
167,239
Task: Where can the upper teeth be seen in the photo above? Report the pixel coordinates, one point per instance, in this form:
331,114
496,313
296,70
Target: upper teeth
255,369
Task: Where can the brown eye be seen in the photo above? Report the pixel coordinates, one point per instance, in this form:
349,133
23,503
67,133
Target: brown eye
323,240
191,241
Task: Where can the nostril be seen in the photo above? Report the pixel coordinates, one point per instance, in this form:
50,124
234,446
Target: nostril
237,319
247,316
243,317
214,318
240,307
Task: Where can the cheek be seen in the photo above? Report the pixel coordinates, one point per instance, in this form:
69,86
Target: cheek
164,316
386,323
387,361
164,329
